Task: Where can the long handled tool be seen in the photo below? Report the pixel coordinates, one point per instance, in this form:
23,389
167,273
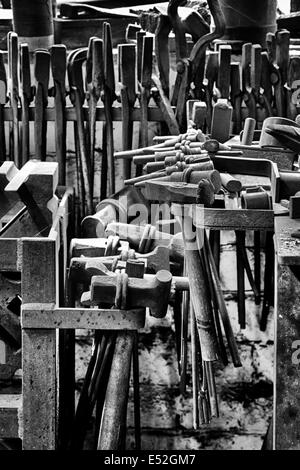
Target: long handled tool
59,66
3,98
76,85
127,67
80,213
145,89
108,98
41,74
26,97
13,92
94,80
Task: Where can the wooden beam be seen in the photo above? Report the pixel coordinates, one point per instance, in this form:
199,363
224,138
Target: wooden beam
10,411
39,392
33,316
234,219
10,254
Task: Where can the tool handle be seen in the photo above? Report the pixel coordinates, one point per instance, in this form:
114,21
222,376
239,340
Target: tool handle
146,72
282,52
139,52
265,76
25,78
109,73
41,70
3,81
271,47
58,55
224,71
246,61
235,80
127,63
256,67
211,71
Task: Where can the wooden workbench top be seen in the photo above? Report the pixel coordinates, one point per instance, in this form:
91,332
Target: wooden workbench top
286,246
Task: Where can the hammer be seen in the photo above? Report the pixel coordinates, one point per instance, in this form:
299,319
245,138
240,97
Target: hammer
150,292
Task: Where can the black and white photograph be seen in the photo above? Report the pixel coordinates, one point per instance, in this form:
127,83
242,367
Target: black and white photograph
149,229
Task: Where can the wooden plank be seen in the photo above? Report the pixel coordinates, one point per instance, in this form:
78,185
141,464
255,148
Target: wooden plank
39,347
234,219
10,254
287,247
86,318
286,418
154,114
10,410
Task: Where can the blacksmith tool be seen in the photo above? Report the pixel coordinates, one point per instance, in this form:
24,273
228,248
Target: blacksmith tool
41,75
122,206
248,97
145,86
3,99
279,58
223,83
288,136
108,97
152,292
94,85
236,96
182,84
26,98
59,67
162,52
80,183
211,76
197,56
293,82
139,51
13,92
127,67
76,85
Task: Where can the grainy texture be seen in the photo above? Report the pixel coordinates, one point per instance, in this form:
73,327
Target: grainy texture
39,348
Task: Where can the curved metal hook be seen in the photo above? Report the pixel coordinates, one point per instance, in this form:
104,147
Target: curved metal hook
198,51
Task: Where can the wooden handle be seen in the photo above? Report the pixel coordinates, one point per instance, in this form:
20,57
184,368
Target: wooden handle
256,67
224,71
246,61
139,52
282,52
248,132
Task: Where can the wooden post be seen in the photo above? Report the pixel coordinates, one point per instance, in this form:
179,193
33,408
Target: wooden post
286,417
39,392
286,384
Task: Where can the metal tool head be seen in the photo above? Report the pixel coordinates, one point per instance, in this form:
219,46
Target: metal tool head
25,78
75,62
109,72
58,54
42,66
